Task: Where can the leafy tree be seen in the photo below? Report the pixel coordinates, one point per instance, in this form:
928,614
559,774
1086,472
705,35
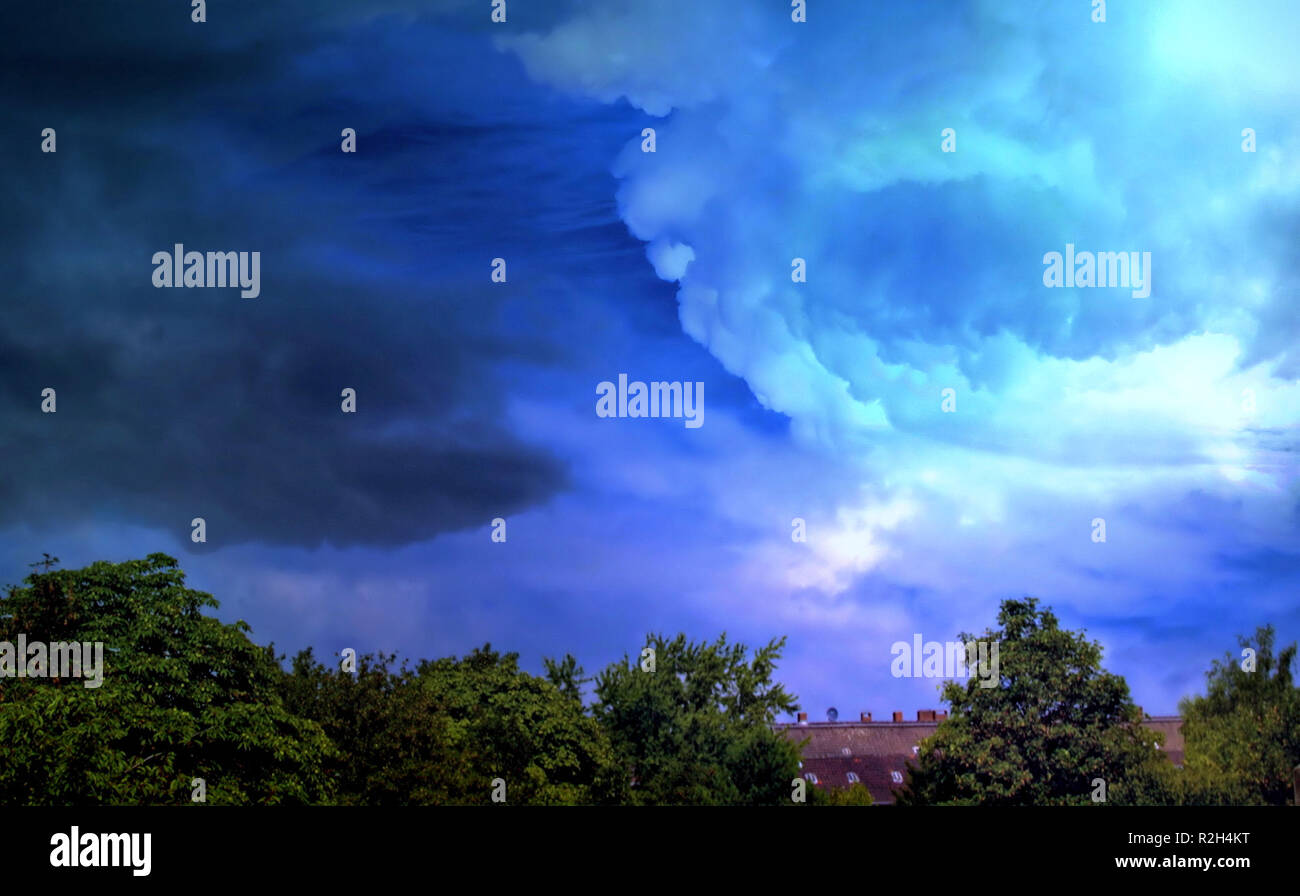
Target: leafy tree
1243,735
566,675
441,734
395,744
1055,722
522,729
853,795
698,728
1162,784
183,696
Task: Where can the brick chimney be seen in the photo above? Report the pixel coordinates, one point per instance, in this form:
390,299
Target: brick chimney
940,716
898,716
803,718
925,715
866,717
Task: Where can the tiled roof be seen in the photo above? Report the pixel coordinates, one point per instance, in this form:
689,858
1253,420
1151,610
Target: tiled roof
878,753
876,771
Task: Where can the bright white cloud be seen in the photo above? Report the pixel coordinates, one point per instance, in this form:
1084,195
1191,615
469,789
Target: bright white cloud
822,142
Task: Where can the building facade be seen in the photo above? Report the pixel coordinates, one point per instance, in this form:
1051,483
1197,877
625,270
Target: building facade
876,753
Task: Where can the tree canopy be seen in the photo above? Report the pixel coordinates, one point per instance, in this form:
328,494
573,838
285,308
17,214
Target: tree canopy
692,723
1055,722
1244,732
183,696
445,731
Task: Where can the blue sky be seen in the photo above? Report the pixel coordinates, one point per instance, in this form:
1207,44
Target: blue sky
476,400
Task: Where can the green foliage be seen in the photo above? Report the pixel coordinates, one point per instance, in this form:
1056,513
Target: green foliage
1243,735
697,730
853,795
566,675
1055,722
183,696
1161,784
442,733
522,729
395,746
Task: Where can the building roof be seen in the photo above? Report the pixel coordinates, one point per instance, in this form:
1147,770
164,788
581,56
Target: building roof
1172,728
878,753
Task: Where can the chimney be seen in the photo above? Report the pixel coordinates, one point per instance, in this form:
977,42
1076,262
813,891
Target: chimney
940,716
898,716
925,715
866,717
803,718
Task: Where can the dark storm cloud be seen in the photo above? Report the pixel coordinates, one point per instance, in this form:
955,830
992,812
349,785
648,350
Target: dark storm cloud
182,403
